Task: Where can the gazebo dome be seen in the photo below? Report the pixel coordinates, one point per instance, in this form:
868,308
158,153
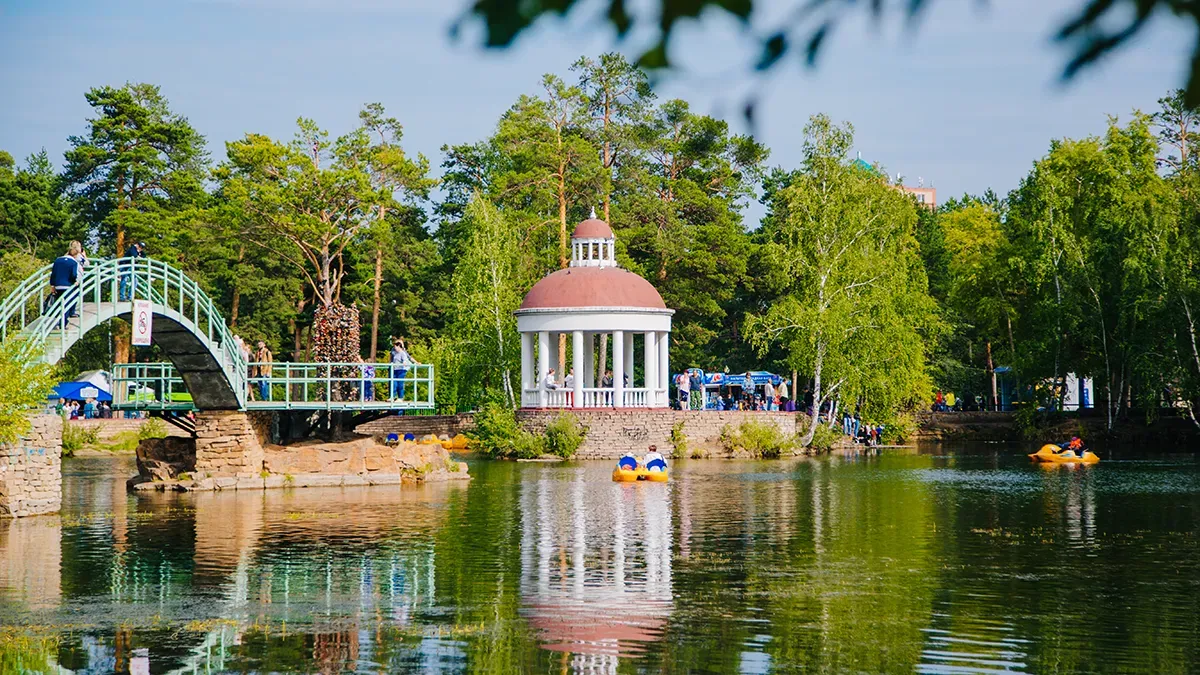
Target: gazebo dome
592,228
593,297
578,287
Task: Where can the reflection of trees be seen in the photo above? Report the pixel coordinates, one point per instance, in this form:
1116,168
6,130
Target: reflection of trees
1076,574
822,570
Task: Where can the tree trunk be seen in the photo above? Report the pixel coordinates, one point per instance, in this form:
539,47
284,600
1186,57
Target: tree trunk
602,360
563,260
812,426
236,302
122,343
991,367
375,304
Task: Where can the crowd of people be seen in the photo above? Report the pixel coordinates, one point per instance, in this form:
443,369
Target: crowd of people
691,395
83,410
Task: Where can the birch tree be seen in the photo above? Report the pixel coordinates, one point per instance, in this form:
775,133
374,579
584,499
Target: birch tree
489,282
854,300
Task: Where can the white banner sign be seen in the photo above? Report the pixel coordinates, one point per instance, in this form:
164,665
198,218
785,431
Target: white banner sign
143,320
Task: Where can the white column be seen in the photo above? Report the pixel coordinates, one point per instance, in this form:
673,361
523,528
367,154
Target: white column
543,360
618,346
664,368
627,366
577,364
650,367
558,374
589,360
527,381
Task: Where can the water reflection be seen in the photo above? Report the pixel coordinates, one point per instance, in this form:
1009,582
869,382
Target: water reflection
931,562
595,565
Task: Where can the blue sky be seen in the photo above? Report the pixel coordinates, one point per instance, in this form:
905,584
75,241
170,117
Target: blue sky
968,101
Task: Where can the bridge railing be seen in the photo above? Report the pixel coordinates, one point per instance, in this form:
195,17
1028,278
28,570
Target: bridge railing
149,386
286,386
34,312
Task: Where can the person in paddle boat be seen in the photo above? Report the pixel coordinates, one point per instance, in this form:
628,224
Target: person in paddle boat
1075,445
627,462
653,461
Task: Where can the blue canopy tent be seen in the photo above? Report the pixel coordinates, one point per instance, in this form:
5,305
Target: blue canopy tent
79,391
714,381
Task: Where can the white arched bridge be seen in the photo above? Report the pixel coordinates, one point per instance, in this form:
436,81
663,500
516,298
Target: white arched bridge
206,369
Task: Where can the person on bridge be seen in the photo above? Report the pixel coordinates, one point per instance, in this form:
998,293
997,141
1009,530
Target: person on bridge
263,358
400,363
127,284
64,273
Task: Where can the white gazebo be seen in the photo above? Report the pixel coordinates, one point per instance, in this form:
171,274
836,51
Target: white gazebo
590,298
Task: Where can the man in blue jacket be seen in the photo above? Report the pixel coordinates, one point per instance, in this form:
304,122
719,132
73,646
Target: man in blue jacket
63,275
126,287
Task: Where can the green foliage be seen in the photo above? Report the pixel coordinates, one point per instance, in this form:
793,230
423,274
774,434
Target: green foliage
679,440
126,441
25,382
487,288
564,435
153,428
25,652
76,437
852,307
34,217
823,438
1094,29
138,162
497,435
760,439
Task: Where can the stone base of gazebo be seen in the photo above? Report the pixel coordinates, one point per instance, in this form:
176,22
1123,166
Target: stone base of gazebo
612,432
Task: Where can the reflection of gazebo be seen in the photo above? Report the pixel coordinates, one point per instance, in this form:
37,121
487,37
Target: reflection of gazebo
596,561
590,298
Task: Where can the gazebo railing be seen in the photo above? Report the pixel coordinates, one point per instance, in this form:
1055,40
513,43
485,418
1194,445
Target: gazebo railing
597,397
594,397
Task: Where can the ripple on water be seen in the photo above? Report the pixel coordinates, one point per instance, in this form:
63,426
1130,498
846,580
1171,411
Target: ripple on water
889,564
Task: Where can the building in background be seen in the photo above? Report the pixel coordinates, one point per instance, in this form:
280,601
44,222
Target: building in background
926,196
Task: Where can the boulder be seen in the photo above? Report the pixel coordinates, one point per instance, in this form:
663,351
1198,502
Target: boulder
160,459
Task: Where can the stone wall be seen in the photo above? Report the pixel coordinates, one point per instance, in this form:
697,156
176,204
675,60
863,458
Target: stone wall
228,445
418,425
612,433
31,470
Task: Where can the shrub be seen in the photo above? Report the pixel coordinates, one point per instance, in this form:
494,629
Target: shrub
760,439
564,435
74,437
823,439
679,441
497,435
24,383
152,428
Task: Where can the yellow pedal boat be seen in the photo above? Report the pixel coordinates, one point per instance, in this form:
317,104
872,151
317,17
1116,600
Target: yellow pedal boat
620,475
1053,454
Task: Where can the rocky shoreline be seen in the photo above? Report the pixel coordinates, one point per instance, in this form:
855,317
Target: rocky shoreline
169,464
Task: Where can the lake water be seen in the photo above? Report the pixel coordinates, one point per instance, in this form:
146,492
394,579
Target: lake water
925,561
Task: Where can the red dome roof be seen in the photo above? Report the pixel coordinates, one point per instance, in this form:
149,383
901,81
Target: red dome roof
592,228
592,287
